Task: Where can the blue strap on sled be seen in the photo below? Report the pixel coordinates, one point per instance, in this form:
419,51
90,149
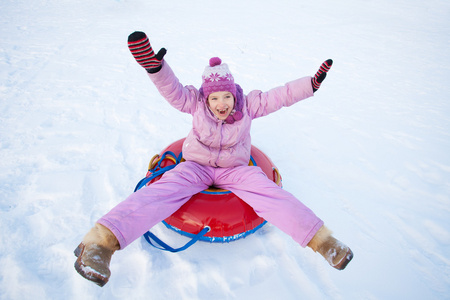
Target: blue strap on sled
156,171
163,246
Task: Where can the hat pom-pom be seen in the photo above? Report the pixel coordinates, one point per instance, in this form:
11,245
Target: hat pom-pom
215,61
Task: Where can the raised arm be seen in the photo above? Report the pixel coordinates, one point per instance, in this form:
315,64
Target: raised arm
263,103
183,98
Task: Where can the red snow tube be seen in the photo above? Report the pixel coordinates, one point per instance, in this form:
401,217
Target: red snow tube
226,216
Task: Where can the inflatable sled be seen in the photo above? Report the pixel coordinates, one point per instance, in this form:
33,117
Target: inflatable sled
213,215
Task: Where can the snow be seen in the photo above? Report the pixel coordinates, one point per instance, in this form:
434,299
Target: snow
79,121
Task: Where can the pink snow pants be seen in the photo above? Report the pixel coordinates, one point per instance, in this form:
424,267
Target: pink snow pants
150,205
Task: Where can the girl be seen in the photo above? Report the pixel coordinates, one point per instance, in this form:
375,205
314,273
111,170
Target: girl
217,152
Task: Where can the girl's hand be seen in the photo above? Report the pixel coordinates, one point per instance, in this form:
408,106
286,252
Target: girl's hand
321,74
142,51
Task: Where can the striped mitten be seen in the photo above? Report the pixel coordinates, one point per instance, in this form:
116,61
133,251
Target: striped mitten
321,74
143,53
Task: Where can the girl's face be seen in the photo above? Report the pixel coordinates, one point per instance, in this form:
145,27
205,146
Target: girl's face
221,104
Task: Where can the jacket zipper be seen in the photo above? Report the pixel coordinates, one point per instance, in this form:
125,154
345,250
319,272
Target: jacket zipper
220,142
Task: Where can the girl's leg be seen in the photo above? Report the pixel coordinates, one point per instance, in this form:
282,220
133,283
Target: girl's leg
270,202
150,205
134,216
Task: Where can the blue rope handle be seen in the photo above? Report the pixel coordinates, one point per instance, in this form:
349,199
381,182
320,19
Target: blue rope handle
163,246
158,243
157,170
145,180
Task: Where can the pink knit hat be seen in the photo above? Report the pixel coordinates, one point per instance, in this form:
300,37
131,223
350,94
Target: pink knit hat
217,78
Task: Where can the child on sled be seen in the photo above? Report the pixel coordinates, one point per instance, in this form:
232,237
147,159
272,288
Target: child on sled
217,152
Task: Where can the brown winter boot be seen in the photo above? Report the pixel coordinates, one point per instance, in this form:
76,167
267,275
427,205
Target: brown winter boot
94,254
336,253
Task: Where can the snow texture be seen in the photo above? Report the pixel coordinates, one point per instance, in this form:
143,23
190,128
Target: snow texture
79,121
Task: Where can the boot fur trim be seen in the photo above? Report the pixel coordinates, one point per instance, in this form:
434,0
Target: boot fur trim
102,236
321,236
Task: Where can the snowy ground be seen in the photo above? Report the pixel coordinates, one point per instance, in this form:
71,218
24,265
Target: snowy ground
79,121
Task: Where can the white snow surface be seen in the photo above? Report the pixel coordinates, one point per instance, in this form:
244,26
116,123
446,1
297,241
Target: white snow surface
370,153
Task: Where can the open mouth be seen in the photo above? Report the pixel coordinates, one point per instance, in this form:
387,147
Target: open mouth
222,112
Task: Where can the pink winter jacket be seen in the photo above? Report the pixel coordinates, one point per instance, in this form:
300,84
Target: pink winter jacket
211,141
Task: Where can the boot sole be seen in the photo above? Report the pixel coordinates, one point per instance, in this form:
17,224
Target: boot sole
344,262
85,271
